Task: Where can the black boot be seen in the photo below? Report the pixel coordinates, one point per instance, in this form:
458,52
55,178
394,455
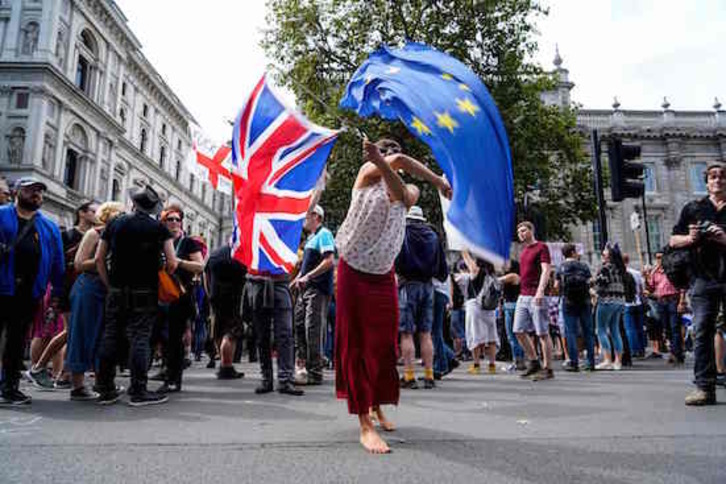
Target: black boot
265,386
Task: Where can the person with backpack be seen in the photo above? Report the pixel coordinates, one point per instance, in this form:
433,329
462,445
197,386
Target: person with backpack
635,313
421,260
573,280
667,300
483,295
610,307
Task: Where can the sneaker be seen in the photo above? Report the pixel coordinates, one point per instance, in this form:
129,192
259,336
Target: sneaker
146,398
520,364
570,366
264,387
288,388
14,397
492,369
617,366
83,394
699,398
453,364
62,384
543,374
109,398
721,379
229,373
211,365
40,379
474,369
605,365
429,384
409,384
532,368
167,387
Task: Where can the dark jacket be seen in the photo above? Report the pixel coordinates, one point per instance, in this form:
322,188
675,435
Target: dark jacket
422,255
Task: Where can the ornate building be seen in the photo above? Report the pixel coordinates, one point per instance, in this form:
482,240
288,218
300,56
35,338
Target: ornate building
84,110
675,148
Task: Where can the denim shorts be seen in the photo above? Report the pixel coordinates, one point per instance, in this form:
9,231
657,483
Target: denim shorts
416,307
529,317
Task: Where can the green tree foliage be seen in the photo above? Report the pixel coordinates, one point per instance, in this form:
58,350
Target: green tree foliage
318,44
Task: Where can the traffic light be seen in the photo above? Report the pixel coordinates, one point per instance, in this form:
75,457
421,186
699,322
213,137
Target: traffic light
626,176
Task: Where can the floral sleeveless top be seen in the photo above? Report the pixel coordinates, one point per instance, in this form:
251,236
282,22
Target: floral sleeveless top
372,234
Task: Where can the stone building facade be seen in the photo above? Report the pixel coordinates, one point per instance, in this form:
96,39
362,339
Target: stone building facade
675,148
84,110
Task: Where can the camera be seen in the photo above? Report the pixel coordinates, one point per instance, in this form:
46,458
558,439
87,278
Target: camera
703,227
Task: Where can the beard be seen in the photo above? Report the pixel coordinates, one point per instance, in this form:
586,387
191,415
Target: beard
29,204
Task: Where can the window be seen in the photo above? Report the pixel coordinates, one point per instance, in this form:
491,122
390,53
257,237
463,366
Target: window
177,170
162,156
191,183
204,191
649,178
70,177
123,89
179,145
145,111
82,74
654,232
596,236
122,115
163,129
142,144
21,99
115,190
698,181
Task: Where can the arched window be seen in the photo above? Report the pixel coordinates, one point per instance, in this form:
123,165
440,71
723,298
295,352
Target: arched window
142,144
86,62
115,190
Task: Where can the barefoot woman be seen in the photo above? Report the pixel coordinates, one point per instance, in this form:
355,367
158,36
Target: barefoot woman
367,304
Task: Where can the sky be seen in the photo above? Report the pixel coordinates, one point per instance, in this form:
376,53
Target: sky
638,50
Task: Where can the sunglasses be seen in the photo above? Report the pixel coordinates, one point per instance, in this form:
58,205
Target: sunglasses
172,219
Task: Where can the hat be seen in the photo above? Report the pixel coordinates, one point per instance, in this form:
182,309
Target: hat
28,181
319,210
415,213
715,164
146,199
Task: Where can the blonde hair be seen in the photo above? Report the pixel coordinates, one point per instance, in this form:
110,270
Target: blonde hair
108,210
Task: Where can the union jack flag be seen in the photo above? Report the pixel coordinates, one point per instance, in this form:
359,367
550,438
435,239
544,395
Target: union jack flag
277,158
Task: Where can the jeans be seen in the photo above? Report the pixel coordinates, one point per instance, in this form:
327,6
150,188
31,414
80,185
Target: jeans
608,316
579,318
517,351
416,307
130,315
16,318
271,307
634,320
667,310
706,297
312,307
442,352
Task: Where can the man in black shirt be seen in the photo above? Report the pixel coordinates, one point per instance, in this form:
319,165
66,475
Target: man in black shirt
225,279
135,243
701,227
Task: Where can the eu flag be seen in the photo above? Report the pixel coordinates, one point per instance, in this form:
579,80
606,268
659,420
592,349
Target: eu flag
444,104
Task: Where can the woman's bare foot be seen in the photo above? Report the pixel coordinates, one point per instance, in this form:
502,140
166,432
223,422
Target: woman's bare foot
369,438
378,415
373,442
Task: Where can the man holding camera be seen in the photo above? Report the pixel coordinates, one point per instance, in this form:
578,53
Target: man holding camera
701,227
31,256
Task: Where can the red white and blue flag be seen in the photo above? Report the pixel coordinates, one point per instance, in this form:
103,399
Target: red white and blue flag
277,158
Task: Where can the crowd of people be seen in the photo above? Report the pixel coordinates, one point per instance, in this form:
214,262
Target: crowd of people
121,290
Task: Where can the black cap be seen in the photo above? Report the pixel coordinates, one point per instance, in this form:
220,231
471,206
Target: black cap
29,181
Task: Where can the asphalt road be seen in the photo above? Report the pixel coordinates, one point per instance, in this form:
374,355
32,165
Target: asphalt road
626,427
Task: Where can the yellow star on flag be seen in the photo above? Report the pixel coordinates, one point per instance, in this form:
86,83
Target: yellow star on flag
419,126
445,120
464,87
447,77
466,106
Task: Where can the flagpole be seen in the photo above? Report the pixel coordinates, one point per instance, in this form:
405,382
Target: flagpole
359,132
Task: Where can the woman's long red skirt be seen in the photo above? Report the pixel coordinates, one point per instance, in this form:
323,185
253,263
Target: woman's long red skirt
366,330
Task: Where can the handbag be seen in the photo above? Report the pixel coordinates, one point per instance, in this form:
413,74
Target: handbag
170,290
678,265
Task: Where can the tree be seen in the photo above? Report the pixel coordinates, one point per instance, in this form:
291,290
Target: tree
318,45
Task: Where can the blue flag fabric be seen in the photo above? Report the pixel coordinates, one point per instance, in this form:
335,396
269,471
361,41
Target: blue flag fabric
445,105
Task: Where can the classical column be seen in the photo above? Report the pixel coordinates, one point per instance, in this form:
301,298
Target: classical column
58,159
111,168
34,140
12,34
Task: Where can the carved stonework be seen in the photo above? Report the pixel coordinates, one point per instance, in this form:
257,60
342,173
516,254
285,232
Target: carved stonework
16,143
674,156
30,38
48,151
60,48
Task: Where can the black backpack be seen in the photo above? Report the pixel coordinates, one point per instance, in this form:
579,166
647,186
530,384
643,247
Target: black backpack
630,287
678,266
575,288
490,294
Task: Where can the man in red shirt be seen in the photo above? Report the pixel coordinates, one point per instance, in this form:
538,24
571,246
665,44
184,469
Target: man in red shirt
531,313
